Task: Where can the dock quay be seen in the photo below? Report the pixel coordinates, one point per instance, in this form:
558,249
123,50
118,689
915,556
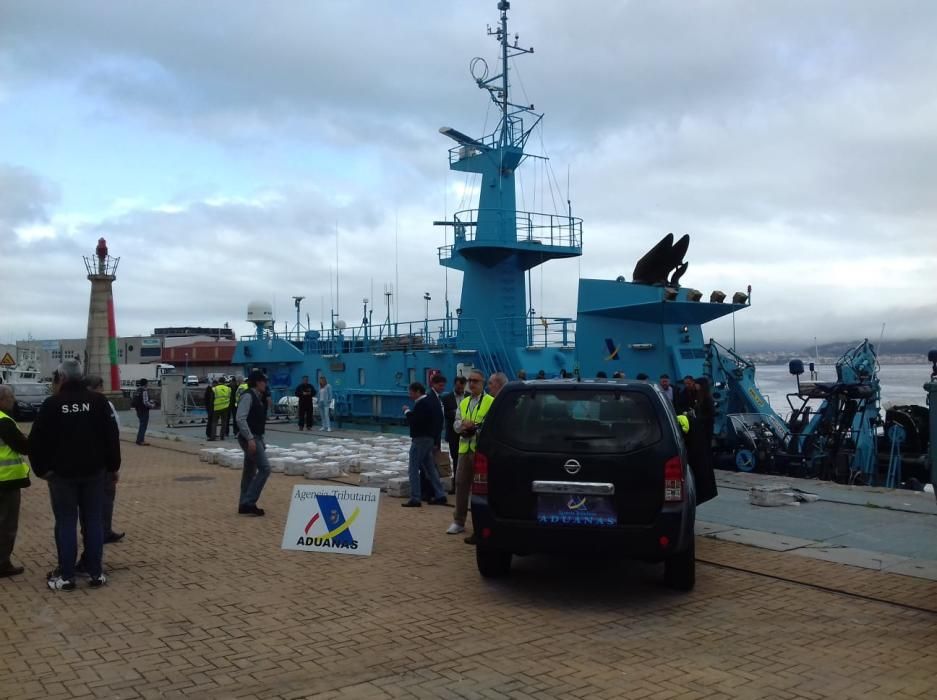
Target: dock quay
202,603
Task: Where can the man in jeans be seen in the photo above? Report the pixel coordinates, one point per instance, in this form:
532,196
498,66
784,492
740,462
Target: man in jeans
468,421
75,445
251,423
143,406
425,420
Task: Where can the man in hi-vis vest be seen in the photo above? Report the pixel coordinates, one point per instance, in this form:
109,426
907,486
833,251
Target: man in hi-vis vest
14,475
468,420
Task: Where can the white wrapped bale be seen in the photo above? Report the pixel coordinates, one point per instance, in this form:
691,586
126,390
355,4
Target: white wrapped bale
324,470
398,487
374,479
293,467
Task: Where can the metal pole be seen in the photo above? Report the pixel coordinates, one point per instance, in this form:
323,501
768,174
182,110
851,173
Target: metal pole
931,389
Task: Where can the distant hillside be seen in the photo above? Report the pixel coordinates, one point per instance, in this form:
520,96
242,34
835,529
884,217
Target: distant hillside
910,346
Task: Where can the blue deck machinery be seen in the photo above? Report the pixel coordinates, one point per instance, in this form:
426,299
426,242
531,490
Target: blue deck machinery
833,428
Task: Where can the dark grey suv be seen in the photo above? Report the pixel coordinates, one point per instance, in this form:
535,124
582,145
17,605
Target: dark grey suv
595,467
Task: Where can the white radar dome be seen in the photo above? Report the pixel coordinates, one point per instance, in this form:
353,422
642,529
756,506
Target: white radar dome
260,312
341,325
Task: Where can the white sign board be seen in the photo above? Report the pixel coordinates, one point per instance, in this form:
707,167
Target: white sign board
335,519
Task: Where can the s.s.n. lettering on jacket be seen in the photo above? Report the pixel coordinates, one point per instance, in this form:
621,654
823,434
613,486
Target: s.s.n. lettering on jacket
74,435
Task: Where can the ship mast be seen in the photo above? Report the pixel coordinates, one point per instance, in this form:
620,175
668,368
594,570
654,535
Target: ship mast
498,86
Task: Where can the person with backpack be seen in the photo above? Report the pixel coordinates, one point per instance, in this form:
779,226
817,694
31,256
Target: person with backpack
142,405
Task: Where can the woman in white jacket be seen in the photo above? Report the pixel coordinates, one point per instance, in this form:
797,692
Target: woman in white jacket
325,400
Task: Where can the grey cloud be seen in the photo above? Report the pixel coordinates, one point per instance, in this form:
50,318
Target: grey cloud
25,198
771,133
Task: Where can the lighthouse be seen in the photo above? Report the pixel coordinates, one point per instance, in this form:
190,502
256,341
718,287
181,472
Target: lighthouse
101,346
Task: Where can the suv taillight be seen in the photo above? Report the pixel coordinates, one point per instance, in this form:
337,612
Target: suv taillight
480,480
673,480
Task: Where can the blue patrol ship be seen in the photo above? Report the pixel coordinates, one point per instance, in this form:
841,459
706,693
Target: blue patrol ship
650,324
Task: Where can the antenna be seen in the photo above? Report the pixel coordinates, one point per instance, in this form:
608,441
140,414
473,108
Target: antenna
337,297
396,268
298,301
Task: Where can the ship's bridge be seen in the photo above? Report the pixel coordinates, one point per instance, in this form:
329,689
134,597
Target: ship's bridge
539,237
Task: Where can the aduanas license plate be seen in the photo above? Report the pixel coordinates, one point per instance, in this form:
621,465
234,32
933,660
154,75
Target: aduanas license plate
576,510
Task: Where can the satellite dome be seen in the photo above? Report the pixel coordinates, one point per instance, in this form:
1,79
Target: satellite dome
260,313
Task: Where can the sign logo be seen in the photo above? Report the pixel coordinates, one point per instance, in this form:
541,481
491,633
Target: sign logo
8,360
612,349
572,466
339,520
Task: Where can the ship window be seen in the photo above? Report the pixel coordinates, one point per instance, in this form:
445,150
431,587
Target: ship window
412,375
361,377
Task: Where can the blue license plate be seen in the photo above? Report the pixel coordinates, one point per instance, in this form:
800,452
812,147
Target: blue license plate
575,510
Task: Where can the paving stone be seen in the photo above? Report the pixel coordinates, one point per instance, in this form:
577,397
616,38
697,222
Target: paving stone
202,603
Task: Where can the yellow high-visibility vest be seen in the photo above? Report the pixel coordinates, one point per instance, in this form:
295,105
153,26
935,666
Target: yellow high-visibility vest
684,423
222,397
12,465
477,416
242,387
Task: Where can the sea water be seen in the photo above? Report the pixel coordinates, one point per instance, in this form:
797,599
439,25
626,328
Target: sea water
901,384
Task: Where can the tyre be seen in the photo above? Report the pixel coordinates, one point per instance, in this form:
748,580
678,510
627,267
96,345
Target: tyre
680,569
492,563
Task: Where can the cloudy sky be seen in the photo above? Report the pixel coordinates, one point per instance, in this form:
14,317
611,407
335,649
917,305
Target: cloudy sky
219,146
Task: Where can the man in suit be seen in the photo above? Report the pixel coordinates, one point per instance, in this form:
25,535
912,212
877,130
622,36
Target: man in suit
425,426
450,404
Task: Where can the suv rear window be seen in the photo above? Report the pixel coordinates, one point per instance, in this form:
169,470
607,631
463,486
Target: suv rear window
589,420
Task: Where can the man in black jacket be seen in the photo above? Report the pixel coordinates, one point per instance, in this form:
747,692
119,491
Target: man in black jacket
14,475
209,399
305,393
75,445
425,425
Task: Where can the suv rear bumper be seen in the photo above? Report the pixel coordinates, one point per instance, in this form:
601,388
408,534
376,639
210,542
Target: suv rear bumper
676,524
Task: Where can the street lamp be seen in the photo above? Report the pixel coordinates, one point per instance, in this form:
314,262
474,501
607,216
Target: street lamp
427,298
186,366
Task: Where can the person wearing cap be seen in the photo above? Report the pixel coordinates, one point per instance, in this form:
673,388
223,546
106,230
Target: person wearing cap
251,423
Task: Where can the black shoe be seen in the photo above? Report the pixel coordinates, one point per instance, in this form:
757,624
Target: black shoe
97,581
471,539
251,510
10,570
210,439
411,504
443,501
112,537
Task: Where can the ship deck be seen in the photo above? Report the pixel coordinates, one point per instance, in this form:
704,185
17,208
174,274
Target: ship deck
203,603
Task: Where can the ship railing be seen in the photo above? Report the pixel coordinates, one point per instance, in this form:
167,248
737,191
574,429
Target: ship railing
535,228
540,331
427,334
515,137
552,332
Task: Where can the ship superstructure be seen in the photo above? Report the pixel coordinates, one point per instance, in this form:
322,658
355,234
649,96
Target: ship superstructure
651,324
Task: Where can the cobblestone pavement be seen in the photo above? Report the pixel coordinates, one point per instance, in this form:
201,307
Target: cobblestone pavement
202,603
